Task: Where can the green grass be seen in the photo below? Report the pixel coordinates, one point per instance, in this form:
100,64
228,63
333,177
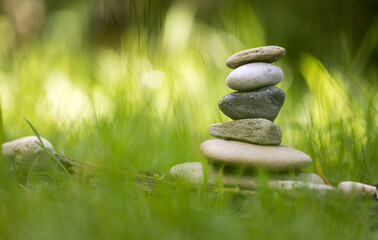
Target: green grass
147,107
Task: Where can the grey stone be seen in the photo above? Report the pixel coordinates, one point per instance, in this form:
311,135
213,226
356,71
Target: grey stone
263,103
357,188
272,158
24,153
253,76
258,130
261,54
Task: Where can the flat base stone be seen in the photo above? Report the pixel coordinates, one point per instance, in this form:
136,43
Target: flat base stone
272,158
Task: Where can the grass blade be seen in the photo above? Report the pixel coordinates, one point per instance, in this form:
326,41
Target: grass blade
52,155
35,132
1,133
321,174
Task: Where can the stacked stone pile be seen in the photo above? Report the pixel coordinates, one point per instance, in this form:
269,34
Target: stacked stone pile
252,140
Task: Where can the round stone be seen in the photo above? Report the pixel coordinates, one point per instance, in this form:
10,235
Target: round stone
272,158
24,153
266,54
258,130
265,103
253,76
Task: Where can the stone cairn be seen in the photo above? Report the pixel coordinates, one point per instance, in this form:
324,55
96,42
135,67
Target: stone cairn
252,141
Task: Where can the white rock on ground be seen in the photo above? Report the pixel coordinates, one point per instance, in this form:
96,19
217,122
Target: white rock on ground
289,185
349,187
191,172
24,152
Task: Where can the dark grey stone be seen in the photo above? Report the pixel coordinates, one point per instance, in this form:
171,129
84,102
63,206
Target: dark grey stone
263,103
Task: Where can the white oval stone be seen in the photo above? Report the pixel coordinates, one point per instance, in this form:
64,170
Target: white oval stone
357,188
253,76
273,158
24,152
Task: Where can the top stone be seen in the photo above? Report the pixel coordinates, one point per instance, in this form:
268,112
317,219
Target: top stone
266,54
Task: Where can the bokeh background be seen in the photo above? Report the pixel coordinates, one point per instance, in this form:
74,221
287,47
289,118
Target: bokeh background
136,83
131,86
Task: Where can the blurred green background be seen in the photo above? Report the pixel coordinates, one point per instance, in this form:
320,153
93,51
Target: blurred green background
132,86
